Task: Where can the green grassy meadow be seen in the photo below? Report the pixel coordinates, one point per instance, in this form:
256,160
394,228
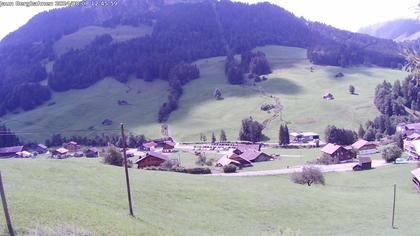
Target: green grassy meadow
298,89
86,35
92,196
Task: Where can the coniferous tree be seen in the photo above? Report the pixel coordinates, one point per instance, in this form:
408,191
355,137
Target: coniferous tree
223,137
213,138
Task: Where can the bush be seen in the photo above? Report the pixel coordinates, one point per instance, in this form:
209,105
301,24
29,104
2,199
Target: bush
391,153
267,107
229,168
113,157
198,170
309,175
170,164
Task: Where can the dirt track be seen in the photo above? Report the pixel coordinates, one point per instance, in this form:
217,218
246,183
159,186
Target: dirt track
285,171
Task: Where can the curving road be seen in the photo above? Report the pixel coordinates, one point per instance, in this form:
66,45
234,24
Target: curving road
293,169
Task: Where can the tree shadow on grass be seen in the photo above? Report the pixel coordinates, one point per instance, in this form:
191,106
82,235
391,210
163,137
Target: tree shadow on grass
281,85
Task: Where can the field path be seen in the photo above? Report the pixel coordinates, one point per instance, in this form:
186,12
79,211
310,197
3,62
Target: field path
293,169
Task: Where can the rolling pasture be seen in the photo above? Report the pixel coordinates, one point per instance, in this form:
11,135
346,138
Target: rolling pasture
298,89
92,197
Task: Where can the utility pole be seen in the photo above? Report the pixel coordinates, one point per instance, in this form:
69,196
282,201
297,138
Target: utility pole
393,206
127,179
6,210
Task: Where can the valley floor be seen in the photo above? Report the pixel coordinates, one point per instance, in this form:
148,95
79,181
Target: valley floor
91,196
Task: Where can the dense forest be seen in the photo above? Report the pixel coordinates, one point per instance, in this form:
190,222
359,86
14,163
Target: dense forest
182,33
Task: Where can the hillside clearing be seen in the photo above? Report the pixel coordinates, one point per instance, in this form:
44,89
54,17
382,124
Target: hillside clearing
86,35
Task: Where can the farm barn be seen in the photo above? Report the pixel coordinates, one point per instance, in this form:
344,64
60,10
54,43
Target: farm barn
149,146
244,162
10,151
72,146
91,152
364,147
255,156
151,159
365,163
41,149
224,161
168,146
337,151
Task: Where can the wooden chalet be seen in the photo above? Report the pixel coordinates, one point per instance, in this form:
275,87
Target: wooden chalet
41,149
225,160
416,178
242,161
60,152
10,151
255,156
72,146
241,148
365,163
168,146
91,152
151,159
149,146
412,148
408,129
338,151
364,147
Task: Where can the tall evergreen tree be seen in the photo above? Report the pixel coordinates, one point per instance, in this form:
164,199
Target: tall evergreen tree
213,138
223,137
361,132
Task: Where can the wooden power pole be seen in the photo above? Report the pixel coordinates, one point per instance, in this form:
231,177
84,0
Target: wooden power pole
127,179
393,206
5,208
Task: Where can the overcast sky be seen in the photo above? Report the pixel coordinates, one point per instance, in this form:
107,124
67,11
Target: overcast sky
343,14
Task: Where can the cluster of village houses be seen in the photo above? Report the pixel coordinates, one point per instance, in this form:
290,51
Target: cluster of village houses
242,155
411,135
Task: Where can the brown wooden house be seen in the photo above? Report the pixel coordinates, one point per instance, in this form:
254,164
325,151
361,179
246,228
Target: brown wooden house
364,147
255,156
72,146
149,146
225,160
168,146
151,159
338,151
365,163
41,149
243,162
10,151
91,152
60,152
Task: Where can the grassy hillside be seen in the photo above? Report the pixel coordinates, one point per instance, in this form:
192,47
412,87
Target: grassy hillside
86,35
300,92
91,196
298,89
82,109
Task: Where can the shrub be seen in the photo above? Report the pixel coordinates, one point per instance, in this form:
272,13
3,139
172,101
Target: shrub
266,107
113,157
229,168
391,153
170,164
309,175
198,170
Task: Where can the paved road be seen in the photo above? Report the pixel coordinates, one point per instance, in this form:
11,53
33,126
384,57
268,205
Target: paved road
323,168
